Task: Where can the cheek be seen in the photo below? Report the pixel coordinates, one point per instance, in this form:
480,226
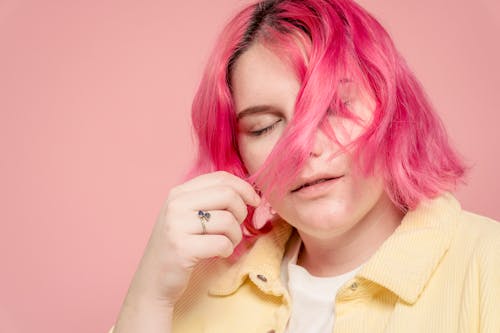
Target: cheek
251,160
365,193
254,151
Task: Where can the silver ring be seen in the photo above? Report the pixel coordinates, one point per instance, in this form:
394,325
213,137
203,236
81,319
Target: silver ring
204,217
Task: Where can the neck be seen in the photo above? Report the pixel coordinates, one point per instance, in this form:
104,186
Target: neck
343,253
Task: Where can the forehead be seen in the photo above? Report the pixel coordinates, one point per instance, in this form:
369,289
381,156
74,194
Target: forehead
260,77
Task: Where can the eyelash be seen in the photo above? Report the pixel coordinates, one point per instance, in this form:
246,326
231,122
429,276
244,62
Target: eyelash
264,130
267,129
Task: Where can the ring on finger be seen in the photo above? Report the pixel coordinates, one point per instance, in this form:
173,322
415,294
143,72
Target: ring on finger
204,217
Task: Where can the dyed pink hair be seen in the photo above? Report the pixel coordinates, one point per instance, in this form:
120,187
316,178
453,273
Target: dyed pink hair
405,140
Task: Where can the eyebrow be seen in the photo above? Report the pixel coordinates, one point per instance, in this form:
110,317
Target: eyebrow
257,109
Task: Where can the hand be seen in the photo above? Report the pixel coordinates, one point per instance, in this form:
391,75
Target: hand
177,241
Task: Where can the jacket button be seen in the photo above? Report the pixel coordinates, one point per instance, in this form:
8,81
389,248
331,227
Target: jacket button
262,278
354,286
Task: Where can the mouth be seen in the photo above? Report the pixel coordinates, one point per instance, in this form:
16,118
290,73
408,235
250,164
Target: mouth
320,180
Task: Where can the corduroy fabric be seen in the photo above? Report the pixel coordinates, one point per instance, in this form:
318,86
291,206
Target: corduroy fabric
438,272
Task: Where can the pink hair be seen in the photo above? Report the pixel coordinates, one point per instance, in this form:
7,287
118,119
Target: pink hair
405,139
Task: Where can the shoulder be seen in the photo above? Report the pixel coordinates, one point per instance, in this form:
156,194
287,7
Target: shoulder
482,231
190,308
193,310
480,237
207,273
483,235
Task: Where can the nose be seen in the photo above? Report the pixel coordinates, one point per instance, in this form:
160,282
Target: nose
320,144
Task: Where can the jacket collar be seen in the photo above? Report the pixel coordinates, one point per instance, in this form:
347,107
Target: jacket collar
261,264
406,260
402,264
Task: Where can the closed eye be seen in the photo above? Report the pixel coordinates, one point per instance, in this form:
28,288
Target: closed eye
264,130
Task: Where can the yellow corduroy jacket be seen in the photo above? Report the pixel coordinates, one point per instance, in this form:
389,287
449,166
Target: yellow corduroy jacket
438,272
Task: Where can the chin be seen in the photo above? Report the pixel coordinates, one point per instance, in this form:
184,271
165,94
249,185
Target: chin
330,221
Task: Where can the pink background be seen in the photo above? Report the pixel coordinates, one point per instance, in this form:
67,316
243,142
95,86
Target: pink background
94,107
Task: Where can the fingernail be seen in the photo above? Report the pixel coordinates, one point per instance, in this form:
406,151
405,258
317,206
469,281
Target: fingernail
256,199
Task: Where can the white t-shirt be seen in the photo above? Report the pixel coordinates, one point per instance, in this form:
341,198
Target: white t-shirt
313,298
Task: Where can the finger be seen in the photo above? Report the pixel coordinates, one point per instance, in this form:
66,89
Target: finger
214,198
221,222
207,246
245,189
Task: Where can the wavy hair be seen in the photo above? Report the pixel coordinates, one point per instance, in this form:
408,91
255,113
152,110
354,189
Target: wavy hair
405,139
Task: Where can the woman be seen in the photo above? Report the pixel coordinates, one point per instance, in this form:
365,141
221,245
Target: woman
308,113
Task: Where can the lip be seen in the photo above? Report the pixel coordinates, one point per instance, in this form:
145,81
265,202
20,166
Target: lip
316,190
310,179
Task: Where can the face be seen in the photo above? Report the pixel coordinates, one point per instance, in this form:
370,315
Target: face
264,93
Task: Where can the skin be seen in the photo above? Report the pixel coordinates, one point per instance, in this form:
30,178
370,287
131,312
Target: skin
177,244
342,228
